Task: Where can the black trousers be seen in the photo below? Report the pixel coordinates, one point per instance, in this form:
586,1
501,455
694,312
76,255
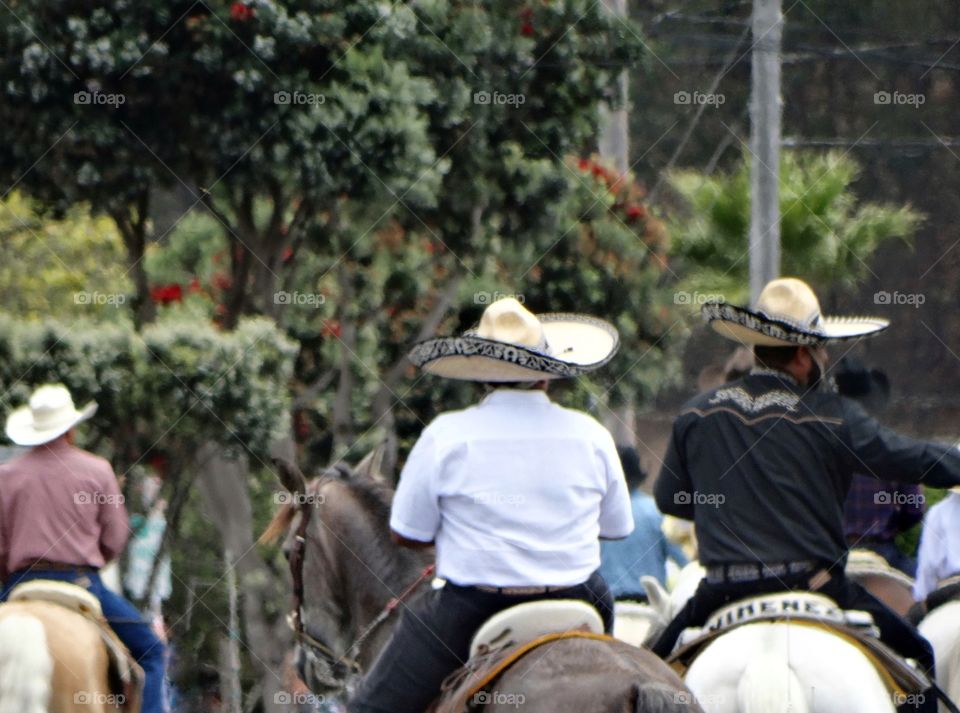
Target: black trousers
895,631
432,640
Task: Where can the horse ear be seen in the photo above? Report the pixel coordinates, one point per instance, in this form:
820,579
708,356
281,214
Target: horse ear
290,476
657,596
371,464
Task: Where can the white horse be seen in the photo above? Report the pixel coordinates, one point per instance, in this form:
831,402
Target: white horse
774,667
941,627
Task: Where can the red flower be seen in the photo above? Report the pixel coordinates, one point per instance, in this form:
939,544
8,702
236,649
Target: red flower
221,281
526,29
165,294
194,286
583,164
636,211
240,12
287,254
332,328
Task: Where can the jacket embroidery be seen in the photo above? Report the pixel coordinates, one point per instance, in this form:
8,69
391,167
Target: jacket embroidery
750,404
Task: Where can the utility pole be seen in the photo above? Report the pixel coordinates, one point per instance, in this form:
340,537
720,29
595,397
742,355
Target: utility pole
766,109
614,141
614,146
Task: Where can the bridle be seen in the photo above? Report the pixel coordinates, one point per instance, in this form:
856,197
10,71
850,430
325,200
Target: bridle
313,644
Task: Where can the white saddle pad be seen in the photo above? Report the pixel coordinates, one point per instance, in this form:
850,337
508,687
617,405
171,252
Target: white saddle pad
526,622
807,606
65,594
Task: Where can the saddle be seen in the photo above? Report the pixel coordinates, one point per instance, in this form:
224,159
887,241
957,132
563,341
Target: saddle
507,637
804,609
125,675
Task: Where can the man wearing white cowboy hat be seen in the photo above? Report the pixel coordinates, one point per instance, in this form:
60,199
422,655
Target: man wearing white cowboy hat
62,517
763,465
515,492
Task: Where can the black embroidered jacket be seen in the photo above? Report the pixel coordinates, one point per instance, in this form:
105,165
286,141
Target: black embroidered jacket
763,465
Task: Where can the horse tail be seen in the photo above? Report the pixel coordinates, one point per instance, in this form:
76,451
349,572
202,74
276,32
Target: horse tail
770,685
25,665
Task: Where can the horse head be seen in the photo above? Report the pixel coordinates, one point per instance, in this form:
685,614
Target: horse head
345,569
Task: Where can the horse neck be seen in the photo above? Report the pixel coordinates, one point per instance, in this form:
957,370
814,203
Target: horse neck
366,569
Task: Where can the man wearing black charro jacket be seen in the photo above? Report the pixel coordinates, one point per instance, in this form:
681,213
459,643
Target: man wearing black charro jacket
763,465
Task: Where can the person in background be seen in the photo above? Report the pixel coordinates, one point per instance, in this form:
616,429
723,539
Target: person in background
646,550
875,511
938,566
62,517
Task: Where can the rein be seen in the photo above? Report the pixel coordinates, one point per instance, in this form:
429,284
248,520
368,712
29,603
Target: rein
295,618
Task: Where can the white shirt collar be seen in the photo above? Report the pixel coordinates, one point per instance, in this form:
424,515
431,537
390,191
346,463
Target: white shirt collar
514,396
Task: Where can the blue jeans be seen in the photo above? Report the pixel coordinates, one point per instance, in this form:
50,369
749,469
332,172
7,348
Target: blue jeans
124,619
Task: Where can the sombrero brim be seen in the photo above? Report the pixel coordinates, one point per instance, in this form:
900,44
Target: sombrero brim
752,328
21,429
578,344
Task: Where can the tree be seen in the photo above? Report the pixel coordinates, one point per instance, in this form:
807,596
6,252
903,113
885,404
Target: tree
828,235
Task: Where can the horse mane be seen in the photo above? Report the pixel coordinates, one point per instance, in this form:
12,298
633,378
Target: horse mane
373,495
278,525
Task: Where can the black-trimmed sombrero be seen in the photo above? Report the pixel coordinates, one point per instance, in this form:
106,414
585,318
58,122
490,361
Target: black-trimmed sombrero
513,344
787,314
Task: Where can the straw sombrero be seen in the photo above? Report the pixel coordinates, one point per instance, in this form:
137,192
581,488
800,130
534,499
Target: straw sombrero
512,344
49,414
787,314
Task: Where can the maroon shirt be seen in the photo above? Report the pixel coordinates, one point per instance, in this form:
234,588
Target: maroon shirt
61,504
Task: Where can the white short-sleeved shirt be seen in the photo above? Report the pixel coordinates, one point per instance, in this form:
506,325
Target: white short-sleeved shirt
515,491
939,555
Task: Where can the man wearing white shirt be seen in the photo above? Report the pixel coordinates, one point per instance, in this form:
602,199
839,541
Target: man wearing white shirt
515,492
939,555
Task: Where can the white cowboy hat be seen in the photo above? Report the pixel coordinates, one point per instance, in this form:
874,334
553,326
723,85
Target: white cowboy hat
787,314
513,344
49,415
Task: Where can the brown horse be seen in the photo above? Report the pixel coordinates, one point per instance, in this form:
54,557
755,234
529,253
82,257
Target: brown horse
889,585
52,660
352,571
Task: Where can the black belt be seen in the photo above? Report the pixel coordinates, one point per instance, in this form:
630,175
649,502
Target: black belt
45,566
755,571
520,591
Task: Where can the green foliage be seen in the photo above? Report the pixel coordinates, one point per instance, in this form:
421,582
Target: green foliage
63,268
827,234
174,386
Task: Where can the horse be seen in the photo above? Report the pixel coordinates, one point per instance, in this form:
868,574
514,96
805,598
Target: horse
773,667
52,660
941,627
352,571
